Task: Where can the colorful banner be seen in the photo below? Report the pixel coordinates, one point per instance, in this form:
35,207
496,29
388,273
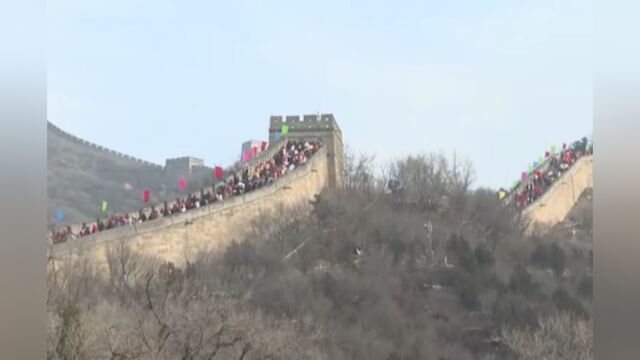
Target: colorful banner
218,172
247,156
104,207
146,195
182,183
59,215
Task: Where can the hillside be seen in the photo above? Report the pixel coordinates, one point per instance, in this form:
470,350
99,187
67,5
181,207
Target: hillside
80,176
436,271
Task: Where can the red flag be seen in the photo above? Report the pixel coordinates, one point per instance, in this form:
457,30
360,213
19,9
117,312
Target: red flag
564,146
547,154
182,183
255,150
264,146
146,195
219,173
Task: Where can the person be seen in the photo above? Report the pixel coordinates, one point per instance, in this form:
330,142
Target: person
142,217
154,213
289,157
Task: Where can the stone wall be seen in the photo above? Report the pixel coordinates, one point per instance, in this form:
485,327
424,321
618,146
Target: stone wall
213,227
554,206
311,127
113,153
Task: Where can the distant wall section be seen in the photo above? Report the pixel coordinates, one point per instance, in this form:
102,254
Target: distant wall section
106,151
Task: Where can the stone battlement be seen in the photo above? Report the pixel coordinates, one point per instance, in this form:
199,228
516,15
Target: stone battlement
307,122
207,228
311,127
102,149
214,226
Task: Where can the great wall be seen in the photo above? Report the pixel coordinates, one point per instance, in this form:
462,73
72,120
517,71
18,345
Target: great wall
182,236
179,238
553,207
106,151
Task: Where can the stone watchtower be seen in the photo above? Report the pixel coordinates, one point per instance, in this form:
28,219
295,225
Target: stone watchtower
183,165
313,127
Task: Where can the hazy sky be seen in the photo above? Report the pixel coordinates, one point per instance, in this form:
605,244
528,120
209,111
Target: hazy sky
497,81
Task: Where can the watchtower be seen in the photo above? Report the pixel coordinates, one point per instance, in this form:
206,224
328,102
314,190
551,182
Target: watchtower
313,127
183,165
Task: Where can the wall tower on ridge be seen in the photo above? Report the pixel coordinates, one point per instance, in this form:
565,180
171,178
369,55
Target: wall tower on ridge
313,127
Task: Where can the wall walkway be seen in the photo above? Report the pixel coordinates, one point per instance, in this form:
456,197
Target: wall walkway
181,237
554,206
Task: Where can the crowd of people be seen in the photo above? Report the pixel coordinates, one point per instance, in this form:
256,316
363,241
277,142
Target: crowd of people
290,156
541,179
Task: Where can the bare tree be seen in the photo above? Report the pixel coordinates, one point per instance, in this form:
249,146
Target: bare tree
561,337
431,182
359,171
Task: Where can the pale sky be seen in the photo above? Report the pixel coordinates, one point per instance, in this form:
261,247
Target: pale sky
499,82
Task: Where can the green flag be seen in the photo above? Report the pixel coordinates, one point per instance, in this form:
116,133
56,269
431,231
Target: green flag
541,160
515,184
553,149
285,129
530,168
104,206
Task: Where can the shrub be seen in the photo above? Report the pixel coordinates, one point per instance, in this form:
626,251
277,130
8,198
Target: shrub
461,250
514,311
521,282
567,303
558,337
585,288
549,256
484,256
468,295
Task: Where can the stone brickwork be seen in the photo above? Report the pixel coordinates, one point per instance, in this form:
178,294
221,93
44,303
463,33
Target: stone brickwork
554,206
209,228
311,127
113,153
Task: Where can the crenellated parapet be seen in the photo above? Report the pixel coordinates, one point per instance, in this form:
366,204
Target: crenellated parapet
312,127
104,150
182,236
